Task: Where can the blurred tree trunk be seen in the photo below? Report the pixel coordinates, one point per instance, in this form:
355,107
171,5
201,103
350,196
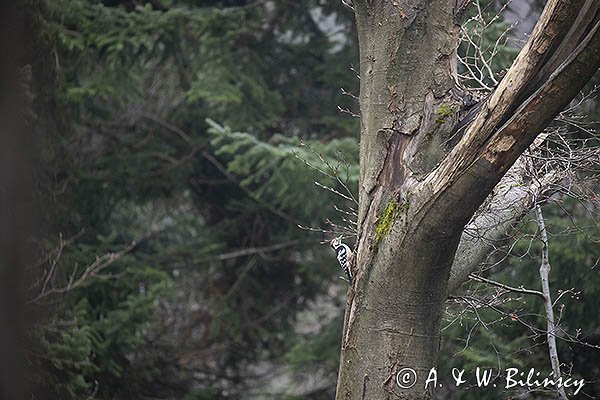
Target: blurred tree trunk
16,189
428,160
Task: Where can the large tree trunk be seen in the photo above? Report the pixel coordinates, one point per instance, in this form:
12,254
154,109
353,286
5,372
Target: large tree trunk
427,163
394,310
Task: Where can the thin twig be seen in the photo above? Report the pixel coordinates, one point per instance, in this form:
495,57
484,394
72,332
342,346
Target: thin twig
506,287
551,327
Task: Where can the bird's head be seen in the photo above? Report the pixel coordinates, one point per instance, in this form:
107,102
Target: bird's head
335,242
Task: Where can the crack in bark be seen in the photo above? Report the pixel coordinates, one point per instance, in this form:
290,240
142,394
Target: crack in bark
365,382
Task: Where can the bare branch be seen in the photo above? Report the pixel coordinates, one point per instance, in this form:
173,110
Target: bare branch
76,280
551,327
506,287
245,252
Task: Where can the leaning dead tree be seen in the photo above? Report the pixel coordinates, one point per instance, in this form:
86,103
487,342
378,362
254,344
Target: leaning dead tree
434,166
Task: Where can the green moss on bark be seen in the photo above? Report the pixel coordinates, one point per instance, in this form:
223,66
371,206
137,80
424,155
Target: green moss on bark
386,220
443,113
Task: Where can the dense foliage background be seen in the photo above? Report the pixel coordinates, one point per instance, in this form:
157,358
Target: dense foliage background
181,141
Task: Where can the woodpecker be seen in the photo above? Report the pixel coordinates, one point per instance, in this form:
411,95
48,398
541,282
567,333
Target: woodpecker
343,255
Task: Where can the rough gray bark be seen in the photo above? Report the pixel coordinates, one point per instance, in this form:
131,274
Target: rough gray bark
512,200
494,223
421,181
